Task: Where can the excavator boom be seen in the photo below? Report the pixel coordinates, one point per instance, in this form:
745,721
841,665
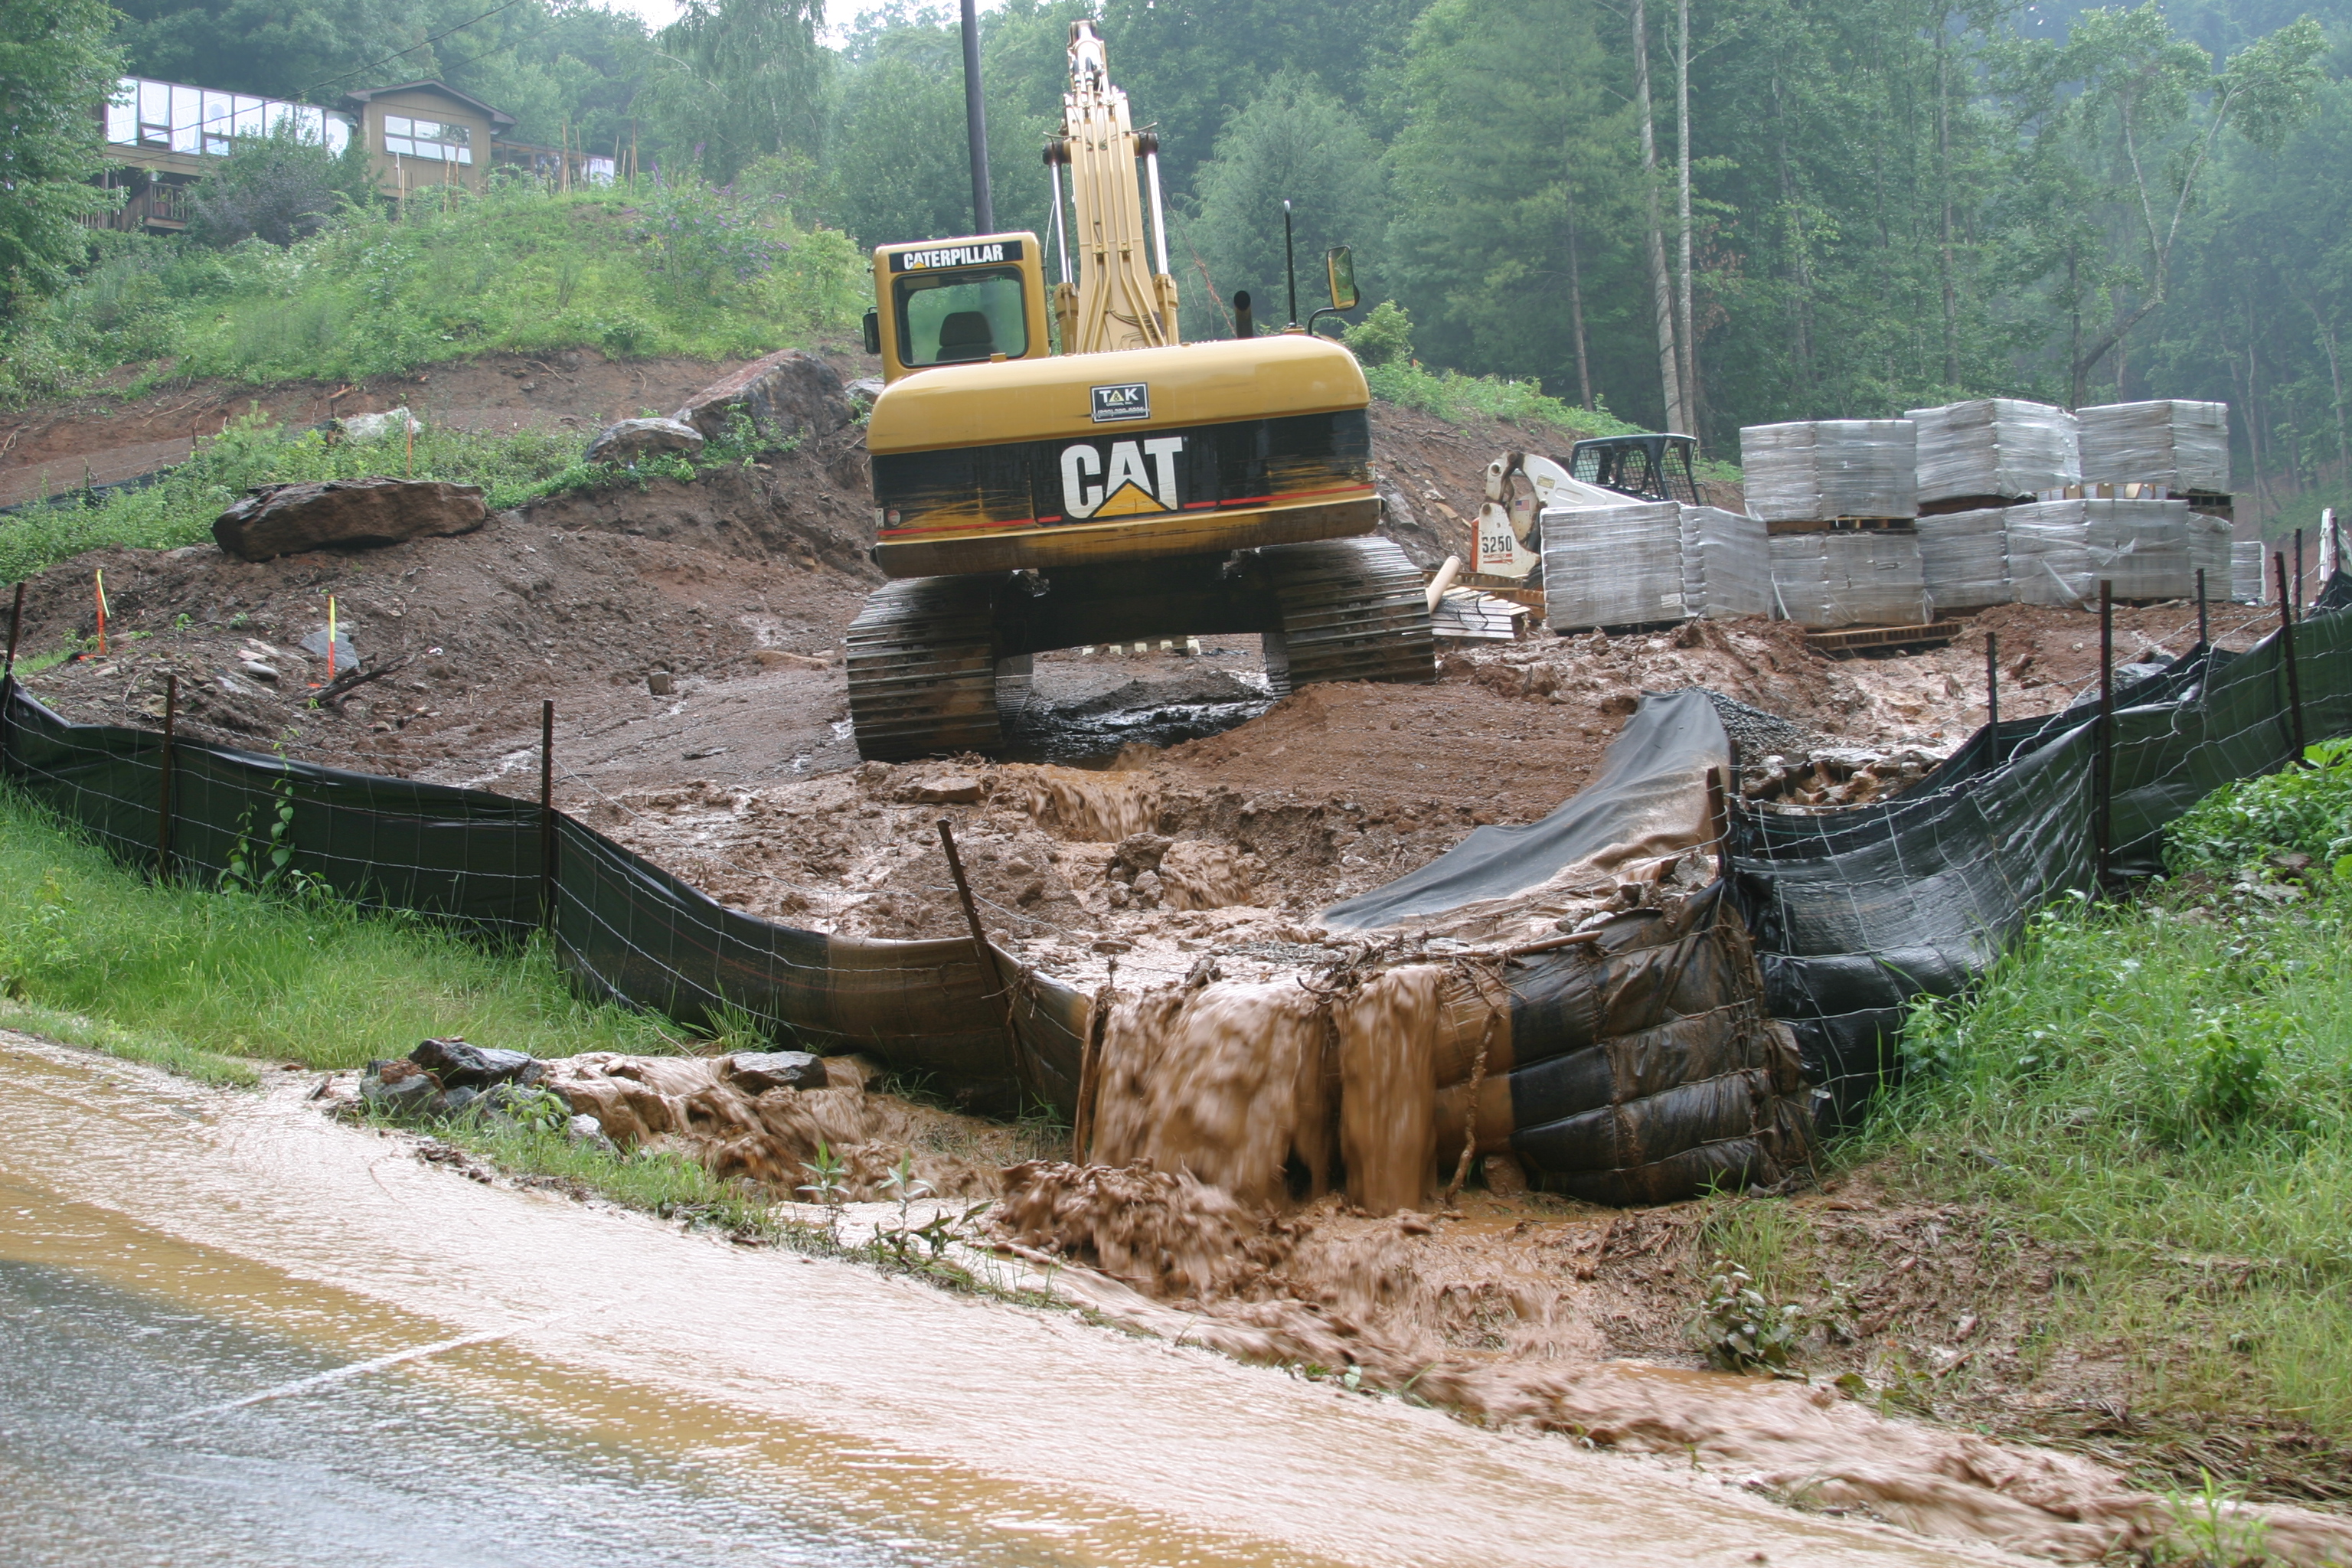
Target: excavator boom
1124,297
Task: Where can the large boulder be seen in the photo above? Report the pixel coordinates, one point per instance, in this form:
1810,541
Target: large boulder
634,438
783,394
281,520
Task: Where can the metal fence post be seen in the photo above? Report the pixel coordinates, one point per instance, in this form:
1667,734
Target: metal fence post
2287,649
8,679
2204,635
1993,692
546,817
164,786
2103,766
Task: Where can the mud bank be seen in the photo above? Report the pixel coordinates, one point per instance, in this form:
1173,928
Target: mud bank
965,1430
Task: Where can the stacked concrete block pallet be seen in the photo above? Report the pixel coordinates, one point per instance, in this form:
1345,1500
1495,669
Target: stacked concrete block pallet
1648,561
1993,451
1838,497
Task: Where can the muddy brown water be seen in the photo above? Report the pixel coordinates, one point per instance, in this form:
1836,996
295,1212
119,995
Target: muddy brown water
232,1332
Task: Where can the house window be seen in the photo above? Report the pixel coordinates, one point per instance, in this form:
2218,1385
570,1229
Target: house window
429,138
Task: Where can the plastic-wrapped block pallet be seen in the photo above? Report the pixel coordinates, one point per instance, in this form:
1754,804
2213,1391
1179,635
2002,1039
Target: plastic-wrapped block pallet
2248,582
1612,565
1818,470
1868,577
1727,563
1994,446
1875,579
2138,547
1964,557
2179,445
2049,559
2208,551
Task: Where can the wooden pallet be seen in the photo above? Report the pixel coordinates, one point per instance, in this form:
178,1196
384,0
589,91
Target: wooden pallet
1509,588
1877,639
1846,525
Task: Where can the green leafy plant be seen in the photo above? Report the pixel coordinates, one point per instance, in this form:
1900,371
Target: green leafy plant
2213,1529
828,1186
1743,1330
265,863
2298,810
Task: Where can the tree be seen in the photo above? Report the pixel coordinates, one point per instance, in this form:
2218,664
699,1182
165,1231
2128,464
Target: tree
55,67
280,188
1298,143
1510,171
739,78
2132,124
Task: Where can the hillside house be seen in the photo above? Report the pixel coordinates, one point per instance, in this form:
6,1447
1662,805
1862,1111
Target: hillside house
165,136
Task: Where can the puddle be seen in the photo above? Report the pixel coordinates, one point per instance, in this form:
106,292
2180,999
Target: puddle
1153,714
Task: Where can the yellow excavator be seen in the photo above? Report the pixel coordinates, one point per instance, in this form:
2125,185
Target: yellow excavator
1128,485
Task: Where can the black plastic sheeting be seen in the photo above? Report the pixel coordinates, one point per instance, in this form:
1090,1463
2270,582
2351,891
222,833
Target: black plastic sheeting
1857,911
626,930
1645,1068
1649,798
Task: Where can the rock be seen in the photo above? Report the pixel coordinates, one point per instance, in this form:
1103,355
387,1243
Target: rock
862,391
376,426
259,670
1138,852
634,438
279,519
346,658
777,658
783,394
660,684
413,1094
1505,1176
459,1064
945,789
756,1072
586,1129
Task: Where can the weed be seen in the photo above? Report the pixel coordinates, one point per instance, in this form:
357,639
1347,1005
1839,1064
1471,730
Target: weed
2212,1528
1742,1329
826,1187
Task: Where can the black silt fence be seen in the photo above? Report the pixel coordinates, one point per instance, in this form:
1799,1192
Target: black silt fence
1856,912
626,930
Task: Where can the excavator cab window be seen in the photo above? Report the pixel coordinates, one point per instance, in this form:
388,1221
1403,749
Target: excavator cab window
960,316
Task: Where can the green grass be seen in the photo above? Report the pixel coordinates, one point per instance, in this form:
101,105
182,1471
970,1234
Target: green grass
94,953
2163,1091
512,468
678,270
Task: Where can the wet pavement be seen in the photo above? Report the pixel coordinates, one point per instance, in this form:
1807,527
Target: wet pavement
232,1332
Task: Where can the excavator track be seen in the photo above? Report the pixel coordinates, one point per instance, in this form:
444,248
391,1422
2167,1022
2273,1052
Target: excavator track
1352,609
922,669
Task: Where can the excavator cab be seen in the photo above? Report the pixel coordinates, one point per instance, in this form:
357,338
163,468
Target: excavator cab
957,301
1653,468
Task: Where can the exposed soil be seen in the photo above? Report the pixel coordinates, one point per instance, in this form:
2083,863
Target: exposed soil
1158,812
104,437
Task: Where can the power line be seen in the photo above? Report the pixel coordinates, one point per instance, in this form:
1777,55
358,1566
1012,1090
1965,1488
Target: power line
412,48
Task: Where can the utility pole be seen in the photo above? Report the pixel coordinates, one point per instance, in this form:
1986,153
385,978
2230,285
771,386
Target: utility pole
975,117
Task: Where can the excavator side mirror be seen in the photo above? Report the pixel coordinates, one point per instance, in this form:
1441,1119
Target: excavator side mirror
1340,266
874,332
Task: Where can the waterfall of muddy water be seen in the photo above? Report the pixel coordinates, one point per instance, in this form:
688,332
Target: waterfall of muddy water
363,1352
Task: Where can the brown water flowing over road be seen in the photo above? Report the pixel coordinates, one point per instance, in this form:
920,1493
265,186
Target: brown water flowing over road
233,1331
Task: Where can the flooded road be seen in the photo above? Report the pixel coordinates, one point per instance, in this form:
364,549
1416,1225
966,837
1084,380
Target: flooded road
234,1332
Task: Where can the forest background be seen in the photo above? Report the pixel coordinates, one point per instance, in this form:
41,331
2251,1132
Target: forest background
1695,214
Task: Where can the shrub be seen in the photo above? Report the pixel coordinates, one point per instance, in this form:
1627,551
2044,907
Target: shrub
2299,810
1384,337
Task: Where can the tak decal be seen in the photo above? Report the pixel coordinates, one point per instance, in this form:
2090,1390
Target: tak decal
1141,477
